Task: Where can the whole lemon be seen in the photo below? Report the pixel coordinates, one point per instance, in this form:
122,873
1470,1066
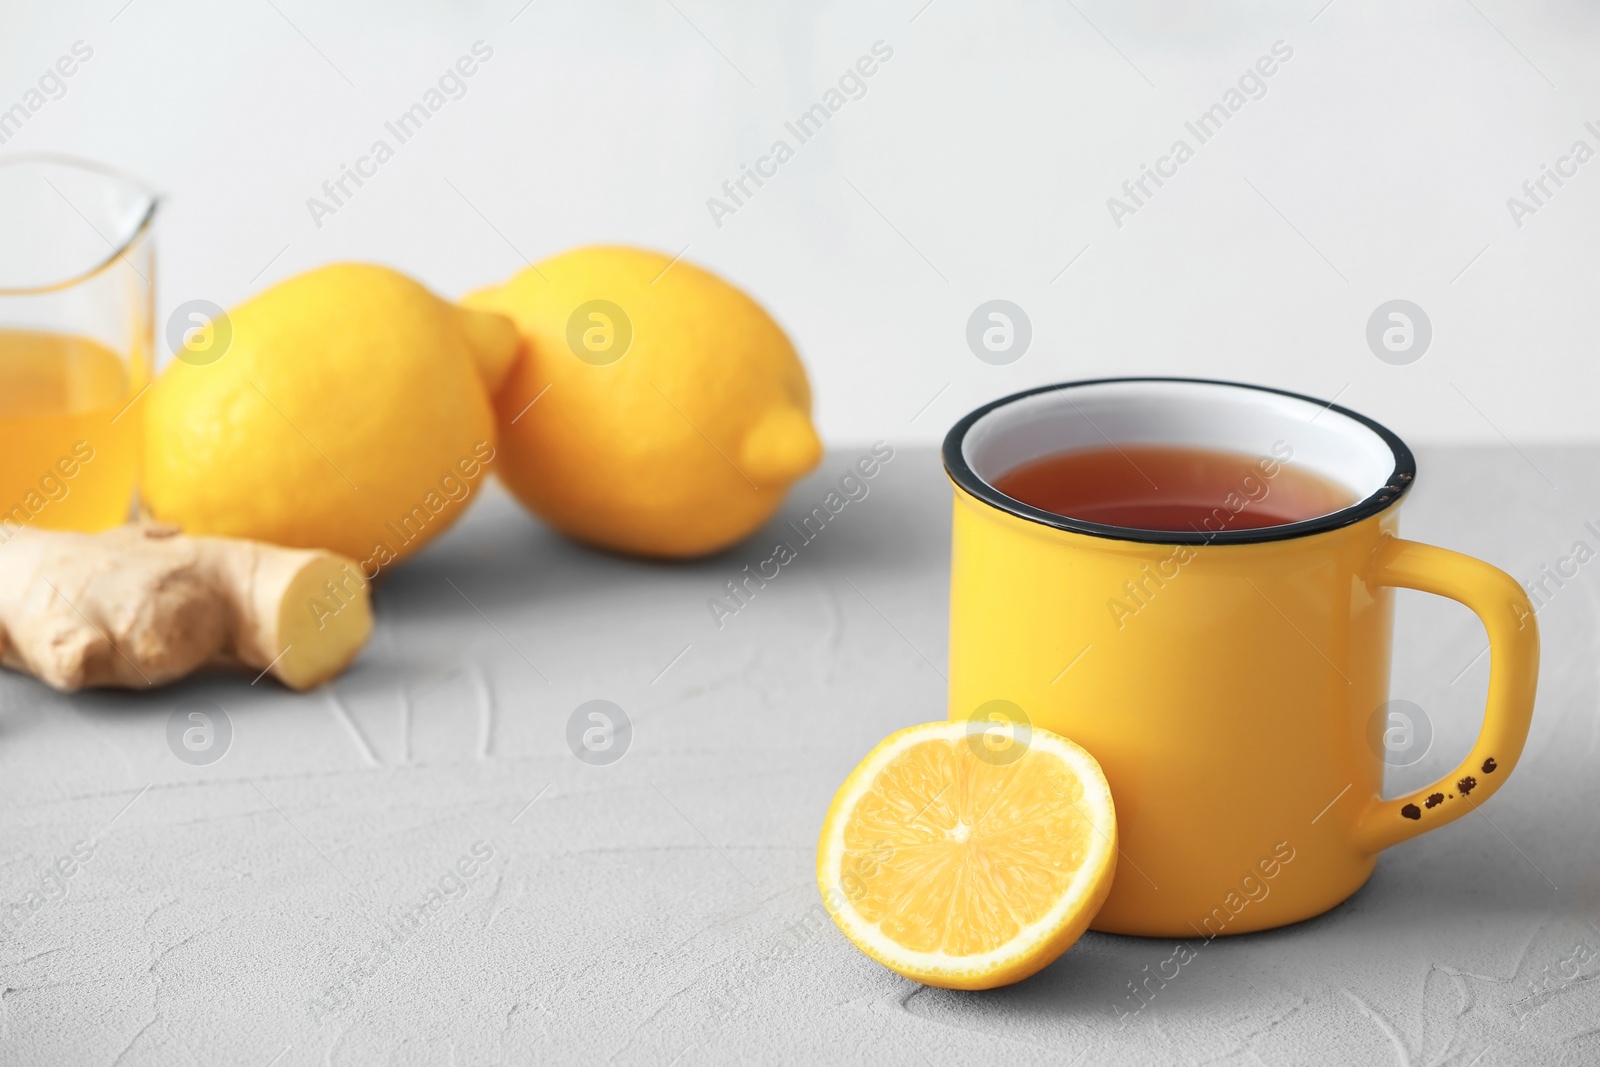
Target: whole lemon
350,411
656,409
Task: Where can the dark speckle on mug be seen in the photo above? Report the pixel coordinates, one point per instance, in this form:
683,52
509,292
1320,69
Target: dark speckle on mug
1489,765
1411,811
1466,784
1434,800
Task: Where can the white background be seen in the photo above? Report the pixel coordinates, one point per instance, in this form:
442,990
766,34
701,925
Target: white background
977,166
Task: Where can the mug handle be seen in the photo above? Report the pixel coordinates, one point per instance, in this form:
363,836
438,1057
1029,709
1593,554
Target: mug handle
1496,598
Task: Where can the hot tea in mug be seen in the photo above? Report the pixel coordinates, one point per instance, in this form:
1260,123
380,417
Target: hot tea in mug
1194,581
1163,487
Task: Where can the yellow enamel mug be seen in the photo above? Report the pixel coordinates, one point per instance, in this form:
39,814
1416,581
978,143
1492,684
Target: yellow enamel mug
1227,680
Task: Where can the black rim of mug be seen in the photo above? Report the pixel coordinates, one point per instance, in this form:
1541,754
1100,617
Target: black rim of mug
1399,481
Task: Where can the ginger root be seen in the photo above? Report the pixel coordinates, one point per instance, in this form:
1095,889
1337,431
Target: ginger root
144,604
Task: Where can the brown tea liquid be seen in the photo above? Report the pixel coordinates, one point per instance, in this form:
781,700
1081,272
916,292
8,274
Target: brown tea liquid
1167,487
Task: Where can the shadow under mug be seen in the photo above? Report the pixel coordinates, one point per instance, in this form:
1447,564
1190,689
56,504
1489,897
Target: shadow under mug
1230,698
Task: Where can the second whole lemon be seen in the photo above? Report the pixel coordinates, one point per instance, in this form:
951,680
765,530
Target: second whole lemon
656,410
350,411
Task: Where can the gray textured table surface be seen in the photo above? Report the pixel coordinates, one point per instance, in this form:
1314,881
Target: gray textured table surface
659,908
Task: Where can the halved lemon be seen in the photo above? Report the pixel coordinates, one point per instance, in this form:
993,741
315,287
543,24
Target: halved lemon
961,862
